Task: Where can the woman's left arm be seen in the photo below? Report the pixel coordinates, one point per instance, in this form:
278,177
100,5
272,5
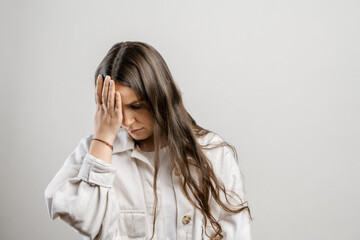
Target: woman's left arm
234,226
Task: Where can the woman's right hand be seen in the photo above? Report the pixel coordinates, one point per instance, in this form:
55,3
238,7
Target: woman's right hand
108,117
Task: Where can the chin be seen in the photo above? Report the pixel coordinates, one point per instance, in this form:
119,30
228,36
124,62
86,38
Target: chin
138,137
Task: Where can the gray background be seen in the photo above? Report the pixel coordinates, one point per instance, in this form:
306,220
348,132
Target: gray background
277,79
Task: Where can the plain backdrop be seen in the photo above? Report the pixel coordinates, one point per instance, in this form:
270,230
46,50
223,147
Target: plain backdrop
280,80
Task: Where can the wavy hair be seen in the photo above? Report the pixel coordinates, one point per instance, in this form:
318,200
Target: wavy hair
140,67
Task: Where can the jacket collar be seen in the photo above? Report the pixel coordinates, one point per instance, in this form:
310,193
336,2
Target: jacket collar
123,142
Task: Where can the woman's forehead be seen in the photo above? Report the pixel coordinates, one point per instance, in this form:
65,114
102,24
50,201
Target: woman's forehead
128,95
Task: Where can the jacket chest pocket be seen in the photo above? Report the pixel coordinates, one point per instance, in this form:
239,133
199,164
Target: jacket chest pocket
132,224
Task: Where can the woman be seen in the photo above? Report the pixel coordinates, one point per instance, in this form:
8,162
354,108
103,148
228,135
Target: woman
148,171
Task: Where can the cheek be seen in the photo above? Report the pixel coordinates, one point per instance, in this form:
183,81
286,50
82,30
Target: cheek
148,120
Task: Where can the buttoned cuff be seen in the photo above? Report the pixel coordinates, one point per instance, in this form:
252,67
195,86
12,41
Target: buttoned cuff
96,171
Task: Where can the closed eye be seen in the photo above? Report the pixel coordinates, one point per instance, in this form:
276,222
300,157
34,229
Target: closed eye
136,106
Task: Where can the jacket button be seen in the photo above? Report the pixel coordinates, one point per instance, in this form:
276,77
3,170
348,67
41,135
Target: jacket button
186,219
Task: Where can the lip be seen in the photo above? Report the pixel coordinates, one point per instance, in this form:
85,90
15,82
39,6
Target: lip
135,131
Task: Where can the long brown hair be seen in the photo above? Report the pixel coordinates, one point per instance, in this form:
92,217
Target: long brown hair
140,67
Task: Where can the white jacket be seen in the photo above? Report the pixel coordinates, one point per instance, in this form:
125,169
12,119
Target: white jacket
115,201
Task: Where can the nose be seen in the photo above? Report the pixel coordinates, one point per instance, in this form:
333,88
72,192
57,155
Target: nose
128,118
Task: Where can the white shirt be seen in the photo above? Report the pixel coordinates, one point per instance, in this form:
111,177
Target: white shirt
115,201
167,190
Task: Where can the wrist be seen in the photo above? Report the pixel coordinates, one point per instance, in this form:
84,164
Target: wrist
107,138
100,151
104,142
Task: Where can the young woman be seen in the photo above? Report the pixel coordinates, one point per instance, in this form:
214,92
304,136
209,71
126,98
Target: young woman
148,171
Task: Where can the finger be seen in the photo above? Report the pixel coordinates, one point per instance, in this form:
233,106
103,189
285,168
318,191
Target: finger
99,84
111,94
105,91
118,107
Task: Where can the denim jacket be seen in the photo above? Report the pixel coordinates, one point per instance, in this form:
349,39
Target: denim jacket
115,201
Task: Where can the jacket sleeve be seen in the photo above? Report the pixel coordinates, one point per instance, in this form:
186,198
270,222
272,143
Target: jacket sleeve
81,194
234,226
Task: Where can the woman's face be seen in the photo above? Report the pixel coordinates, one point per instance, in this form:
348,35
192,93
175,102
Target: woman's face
137,119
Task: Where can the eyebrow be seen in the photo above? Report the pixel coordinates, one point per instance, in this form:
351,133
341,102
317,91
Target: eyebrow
137,101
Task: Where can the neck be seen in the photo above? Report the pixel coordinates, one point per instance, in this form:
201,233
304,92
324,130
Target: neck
148,146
